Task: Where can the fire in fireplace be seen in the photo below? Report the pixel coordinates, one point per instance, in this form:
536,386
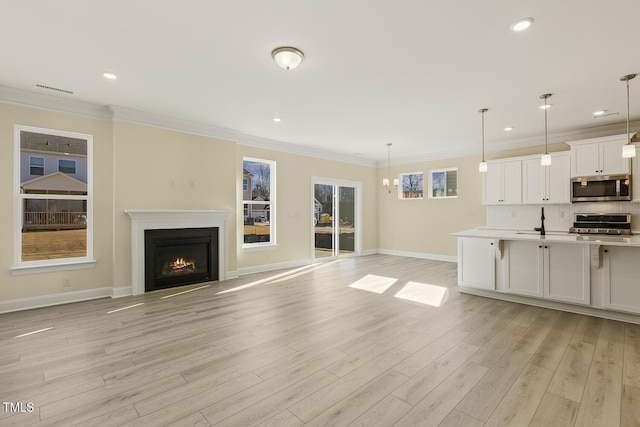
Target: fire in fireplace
176,257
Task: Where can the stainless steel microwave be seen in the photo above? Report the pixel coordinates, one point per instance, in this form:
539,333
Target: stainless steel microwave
601,188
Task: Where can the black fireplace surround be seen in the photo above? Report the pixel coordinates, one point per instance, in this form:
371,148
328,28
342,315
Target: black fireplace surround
180,256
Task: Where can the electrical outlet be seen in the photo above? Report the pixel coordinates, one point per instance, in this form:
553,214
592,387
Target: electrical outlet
66,282
513,214
192,183
561,213
172,182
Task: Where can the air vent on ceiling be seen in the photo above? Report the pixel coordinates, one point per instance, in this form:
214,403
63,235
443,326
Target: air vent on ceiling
54,88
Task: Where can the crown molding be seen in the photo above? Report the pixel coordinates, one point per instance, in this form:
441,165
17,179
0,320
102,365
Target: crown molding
117,113
555,138
44,101
124,114
301,150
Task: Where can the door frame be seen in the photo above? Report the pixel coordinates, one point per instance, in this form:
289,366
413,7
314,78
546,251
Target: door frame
358,215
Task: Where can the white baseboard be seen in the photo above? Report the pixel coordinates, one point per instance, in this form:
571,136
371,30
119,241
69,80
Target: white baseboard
232,274
55,299
125,291
422,255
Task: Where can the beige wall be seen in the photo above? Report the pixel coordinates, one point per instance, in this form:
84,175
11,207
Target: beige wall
424,225
16,287
293,198
144,167
164,169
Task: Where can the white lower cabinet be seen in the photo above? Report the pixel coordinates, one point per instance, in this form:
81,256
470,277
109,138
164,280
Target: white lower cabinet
552,271
621,269
476,263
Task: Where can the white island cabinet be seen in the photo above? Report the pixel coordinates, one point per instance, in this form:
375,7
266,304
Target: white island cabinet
621,278
479,268
594,276
553,271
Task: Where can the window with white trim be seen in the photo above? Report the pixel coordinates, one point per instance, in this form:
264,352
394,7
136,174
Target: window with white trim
443,183
258,202
53,224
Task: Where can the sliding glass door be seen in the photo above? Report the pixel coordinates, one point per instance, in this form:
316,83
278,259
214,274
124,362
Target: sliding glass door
336,218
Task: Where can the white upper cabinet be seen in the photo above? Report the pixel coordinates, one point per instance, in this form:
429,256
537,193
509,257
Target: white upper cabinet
503,183
547,184
599,156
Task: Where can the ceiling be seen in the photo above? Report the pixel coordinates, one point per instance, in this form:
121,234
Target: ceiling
411,72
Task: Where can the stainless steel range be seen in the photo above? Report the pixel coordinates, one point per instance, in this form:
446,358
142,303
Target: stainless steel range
602,223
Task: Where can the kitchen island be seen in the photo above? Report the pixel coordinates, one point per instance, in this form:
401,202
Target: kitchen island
588,274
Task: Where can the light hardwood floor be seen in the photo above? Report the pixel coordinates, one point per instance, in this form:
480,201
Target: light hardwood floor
302,347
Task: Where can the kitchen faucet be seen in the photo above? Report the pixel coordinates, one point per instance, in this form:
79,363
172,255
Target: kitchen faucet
541,228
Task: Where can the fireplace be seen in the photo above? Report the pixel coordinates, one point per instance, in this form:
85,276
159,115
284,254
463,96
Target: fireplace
180,256
144,220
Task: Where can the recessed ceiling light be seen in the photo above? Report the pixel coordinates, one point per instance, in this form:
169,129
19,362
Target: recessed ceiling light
508,128
521,24
110,76
545,107
277,119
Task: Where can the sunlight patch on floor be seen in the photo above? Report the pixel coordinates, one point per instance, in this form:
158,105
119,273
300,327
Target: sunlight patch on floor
373,283
280,277
423,293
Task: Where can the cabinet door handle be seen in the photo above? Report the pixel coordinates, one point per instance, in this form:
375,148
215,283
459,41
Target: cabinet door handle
546,247
491,243
540,246
606,250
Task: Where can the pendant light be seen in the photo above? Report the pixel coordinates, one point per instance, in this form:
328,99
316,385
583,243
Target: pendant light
545,160
628,150
385,181
482,167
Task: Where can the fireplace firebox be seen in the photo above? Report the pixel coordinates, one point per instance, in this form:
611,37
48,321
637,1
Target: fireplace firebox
181,256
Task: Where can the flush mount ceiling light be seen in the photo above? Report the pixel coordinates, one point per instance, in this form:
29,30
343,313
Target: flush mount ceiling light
521,24
508,128
599,112
109,76
277,119
482,167
287,57
545,160
628,150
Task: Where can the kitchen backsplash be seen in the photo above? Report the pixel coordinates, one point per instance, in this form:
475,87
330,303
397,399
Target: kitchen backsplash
557,217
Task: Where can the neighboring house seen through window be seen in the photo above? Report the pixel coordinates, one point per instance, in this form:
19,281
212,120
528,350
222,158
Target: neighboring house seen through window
54,205
258,198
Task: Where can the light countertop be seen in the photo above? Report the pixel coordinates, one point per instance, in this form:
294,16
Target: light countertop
551,236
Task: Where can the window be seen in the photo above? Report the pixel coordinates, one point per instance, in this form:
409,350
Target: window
36,165
411,186
67,166
258,202
443,183
53,224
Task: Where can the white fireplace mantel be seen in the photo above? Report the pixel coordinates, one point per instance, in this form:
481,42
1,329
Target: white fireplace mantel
142,220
